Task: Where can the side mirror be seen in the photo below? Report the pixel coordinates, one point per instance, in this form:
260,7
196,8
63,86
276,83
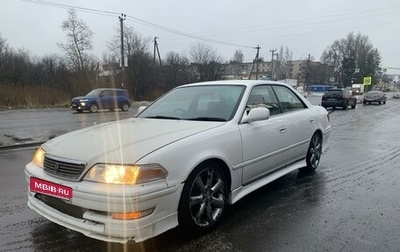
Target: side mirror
256,114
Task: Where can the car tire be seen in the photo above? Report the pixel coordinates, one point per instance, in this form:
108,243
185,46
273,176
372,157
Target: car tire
354,106
93,108
379,103
384,102
345,105
314,153
125,106
203,199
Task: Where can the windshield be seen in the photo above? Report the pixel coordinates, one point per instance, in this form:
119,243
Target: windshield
95,92
202,103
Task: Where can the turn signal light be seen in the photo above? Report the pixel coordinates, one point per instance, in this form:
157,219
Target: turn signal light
132,215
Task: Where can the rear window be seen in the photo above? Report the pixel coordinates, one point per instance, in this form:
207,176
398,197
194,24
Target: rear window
333,92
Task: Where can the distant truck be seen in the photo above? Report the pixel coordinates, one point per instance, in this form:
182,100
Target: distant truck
357,89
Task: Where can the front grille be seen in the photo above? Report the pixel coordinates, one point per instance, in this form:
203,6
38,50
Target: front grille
64,169
61,206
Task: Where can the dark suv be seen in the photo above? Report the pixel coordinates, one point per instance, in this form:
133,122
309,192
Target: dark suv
338,98
102,98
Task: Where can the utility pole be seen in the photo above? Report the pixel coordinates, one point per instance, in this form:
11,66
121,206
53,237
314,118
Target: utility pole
272,62
156,50
121,20
307,73
256,62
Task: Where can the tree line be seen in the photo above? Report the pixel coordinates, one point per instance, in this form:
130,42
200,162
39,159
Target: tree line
26,80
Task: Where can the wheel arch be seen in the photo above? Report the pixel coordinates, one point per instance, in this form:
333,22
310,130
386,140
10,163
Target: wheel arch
319,132
94,102
215,161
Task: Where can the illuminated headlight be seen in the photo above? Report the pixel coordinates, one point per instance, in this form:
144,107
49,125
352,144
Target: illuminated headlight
126,174
83,102
38,158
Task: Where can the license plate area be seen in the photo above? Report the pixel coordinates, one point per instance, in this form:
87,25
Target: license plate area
49,188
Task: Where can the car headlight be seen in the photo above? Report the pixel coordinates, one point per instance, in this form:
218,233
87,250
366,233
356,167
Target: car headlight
38,158
126,174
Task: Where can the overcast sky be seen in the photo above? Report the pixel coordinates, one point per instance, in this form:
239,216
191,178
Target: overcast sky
304,26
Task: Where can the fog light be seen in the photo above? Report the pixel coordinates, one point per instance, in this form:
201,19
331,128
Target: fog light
132,215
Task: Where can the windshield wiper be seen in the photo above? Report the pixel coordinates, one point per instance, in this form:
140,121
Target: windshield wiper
163,117
217,119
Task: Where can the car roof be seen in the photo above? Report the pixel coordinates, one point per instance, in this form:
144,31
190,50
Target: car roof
247,83
336,89
102,89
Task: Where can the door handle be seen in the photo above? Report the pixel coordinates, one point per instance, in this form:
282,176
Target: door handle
312,121
282,129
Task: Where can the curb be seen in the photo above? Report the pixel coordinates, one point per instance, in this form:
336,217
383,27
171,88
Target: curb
17,146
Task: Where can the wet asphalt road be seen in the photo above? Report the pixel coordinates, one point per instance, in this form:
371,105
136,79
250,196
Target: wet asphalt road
351,203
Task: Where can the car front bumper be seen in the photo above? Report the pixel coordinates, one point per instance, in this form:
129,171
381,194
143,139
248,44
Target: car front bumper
79,106
96,221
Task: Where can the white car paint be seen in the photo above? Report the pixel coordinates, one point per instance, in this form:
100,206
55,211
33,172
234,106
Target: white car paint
256,148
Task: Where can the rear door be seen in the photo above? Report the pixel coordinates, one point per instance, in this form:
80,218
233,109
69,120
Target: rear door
298,122
107,99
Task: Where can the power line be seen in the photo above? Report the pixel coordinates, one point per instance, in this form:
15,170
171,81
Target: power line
353,15
280,25
138,20
309,21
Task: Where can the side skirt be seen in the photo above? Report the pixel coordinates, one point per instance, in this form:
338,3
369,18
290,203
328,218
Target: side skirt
242,191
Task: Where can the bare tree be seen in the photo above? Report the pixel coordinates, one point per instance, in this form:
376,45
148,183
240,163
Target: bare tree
3,55
79,41
176,70
139,75
206,61
283,65
237,62
134,43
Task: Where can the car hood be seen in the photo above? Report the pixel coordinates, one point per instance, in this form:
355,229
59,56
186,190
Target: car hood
80,98
123,141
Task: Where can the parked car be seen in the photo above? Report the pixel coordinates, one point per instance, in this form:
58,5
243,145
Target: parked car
334,98
374,96
102,98
180,161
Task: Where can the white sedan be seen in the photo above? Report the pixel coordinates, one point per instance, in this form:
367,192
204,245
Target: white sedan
180,161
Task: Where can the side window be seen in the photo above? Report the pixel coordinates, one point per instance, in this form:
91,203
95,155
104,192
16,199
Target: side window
287,99
264,96
122,93
107,93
